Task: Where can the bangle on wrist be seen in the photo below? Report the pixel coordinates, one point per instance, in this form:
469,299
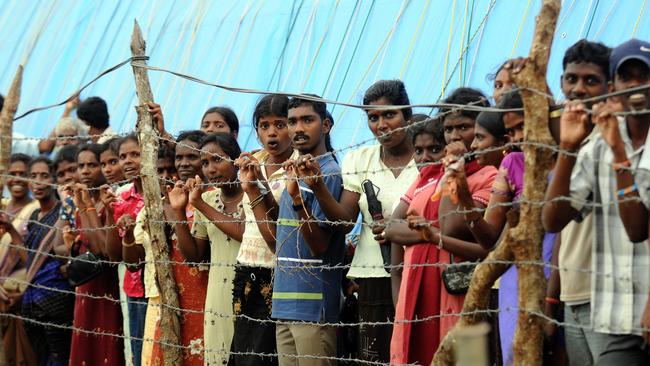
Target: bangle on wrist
552,300
126,244
254,203
625,191
622,166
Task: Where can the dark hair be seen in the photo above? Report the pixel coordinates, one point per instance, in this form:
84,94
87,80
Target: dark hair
512,100
66,153
321,110
465,96
42,159
111,144
2,101
24,158
94,112
585,51
129,137
493,75
328,138
319,107
271,105
165,152
96,149
430,126
394,92
228,114
225,141
492,122
193,135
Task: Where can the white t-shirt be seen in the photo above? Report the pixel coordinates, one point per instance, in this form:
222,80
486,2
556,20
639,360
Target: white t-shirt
359,165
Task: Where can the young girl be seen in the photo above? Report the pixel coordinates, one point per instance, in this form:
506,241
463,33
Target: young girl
112,171
100,294
220,119
217,230
428,148
128,202
253,283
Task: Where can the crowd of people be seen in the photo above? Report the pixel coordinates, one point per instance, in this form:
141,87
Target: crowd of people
288,255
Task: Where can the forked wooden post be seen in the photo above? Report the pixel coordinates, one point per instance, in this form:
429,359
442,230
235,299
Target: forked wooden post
170,329
7,122
523,241
529,233
6,133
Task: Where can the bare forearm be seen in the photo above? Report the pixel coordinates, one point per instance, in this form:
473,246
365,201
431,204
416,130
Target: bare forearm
633,212
333,209
113,243
464,249
557,213
399,233
94,237
265,214
231,227
46,146
186,242
315,236
133,254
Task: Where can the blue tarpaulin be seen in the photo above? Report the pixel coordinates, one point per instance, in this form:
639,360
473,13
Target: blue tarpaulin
332,48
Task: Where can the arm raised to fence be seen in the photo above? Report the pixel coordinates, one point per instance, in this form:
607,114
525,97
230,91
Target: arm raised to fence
170,328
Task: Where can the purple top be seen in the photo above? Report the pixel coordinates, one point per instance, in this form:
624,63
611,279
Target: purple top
510,179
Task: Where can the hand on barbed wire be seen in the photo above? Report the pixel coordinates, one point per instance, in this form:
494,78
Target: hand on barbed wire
195,188
421,225
69,236
308,169
126,223
79,194
607,122
574,125
249,171
292,180
177,196
108,197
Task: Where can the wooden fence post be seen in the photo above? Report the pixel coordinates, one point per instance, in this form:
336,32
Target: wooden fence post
148,136
6,137
523,241
529,233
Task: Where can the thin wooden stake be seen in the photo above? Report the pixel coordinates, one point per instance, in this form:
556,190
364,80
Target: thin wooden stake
170,328
6,133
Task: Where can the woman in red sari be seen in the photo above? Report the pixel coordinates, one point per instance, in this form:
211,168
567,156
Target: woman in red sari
101,294
424,307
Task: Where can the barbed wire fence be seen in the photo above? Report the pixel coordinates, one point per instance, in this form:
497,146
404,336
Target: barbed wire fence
138,62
